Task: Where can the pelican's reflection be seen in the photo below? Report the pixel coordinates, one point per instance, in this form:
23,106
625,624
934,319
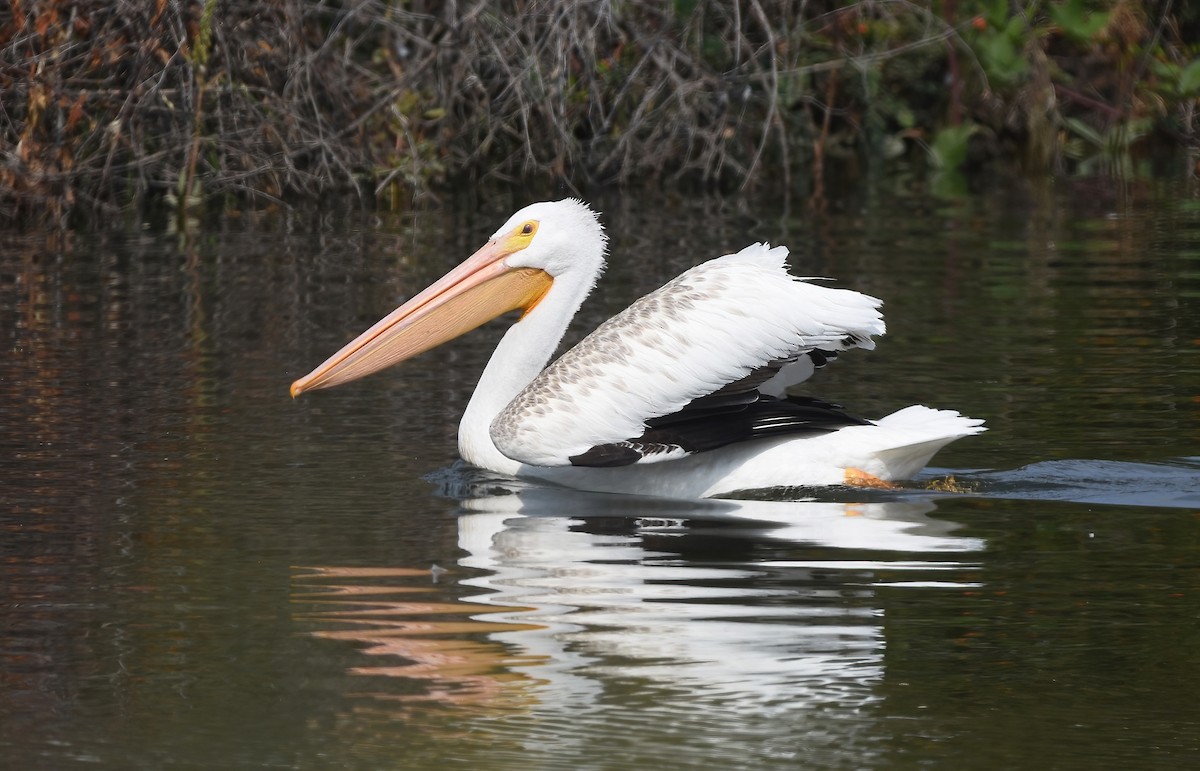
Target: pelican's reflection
561,596
764,601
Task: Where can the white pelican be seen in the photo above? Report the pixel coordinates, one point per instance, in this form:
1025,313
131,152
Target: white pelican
680,395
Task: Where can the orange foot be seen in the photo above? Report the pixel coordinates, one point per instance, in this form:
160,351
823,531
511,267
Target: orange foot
856,477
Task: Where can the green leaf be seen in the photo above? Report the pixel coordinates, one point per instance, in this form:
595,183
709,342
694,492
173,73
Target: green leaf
1189,79
1001,59
950,185
1078,23
1084,131
997,13
949,148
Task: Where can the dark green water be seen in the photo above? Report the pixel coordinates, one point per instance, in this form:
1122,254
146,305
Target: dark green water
198,572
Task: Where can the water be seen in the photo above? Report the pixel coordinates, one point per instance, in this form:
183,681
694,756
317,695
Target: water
198,572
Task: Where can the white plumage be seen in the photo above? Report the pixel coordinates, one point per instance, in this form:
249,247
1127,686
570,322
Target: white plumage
711,326
676,395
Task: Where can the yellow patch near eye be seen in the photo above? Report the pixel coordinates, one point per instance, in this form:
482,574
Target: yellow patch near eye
521,236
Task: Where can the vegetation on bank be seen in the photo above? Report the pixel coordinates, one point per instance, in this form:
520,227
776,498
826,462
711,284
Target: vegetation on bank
117,104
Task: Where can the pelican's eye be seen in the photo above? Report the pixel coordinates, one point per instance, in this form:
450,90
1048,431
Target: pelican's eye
527,229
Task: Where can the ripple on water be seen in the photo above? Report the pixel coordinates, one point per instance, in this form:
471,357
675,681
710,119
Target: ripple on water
1173,484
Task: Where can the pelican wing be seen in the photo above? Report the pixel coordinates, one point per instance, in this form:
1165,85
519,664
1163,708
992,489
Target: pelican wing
690,431
692,366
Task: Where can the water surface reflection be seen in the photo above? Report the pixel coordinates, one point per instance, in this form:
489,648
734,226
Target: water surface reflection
611,611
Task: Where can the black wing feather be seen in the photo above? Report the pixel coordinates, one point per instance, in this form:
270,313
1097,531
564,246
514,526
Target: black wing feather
720,419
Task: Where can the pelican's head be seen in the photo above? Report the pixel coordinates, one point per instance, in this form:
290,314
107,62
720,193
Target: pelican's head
564,237
514,270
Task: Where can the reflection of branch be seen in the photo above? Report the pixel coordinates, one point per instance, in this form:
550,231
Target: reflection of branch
429,634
